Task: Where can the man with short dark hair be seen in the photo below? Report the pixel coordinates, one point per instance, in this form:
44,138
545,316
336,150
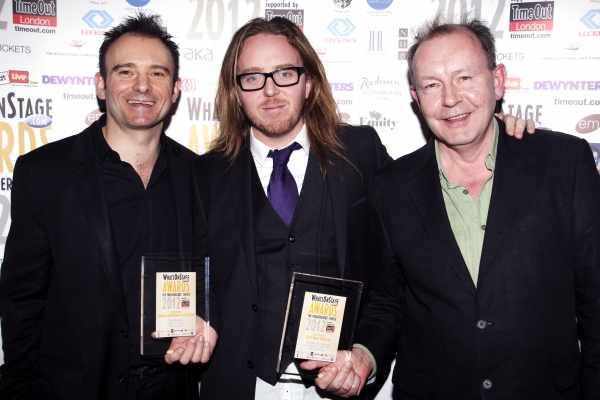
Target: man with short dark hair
85,209
489,246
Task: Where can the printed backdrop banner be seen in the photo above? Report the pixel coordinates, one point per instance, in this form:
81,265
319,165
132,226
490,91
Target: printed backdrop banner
49,55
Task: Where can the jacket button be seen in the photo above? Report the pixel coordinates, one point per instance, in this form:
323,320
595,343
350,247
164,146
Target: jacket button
250,364
254,308
292,239
124,333
286,348
122,378
481,324
291,267
487,384
292,322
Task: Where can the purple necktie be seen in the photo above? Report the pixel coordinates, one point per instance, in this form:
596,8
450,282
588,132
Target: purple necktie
282,190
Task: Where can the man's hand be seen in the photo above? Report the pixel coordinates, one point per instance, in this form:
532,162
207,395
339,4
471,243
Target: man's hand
516,126
346,376
193,349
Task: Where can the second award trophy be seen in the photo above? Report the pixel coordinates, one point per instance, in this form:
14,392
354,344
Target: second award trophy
320,319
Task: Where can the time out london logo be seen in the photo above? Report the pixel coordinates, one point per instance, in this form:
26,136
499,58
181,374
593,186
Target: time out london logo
537,16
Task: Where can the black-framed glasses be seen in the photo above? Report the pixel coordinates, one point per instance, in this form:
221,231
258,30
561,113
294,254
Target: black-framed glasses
281,77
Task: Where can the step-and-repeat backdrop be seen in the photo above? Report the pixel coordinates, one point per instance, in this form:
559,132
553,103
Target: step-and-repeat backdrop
49,54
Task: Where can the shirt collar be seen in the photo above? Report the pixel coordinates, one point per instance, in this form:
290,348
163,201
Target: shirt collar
260,151
490,159
103,149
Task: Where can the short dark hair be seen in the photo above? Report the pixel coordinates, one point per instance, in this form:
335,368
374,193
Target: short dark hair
143,25
439,26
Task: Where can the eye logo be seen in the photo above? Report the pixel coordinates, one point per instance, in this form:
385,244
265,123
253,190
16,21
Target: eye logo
341,27
98,19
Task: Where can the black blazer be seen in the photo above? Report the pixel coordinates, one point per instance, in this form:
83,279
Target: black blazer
515,336
225,194
64,322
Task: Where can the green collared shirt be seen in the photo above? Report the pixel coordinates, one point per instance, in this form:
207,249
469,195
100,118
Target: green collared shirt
467,218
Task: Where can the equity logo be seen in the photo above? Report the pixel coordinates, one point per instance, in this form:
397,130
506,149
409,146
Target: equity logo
588,124
537,16
375,120
341,27
97,19
34,12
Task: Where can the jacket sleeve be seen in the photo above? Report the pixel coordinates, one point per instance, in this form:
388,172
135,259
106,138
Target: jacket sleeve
24,279
586,239
200,252
379,328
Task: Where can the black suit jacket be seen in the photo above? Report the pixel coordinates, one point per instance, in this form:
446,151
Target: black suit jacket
515,336
64,322
225,193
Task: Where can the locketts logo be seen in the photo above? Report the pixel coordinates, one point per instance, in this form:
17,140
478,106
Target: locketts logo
34,12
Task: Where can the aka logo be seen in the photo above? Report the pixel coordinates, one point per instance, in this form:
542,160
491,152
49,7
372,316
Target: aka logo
198,54
513,83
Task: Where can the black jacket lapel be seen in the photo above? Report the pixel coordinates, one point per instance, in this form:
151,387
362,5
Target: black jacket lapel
427,196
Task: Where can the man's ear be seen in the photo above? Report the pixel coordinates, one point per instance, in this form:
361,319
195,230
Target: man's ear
100,86
413,93
176,90
308,86
499,77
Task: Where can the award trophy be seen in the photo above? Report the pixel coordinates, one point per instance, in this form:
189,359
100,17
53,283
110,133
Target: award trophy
320,319
168,302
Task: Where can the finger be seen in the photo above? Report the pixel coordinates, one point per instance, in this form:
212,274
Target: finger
173,355
198,350
519,128
530,126
189,351
206,352
326,375
356,386
510,123
312,364
342,384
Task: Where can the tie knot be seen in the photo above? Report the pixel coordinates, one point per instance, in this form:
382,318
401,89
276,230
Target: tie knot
281,157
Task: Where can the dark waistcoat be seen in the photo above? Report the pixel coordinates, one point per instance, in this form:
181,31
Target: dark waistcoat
307,246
